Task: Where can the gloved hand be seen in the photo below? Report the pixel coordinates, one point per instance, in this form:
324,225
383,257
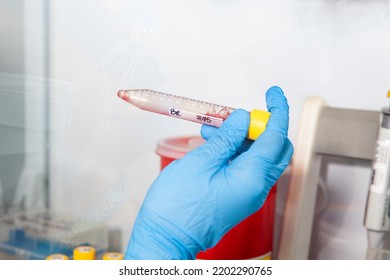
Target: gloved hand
197,199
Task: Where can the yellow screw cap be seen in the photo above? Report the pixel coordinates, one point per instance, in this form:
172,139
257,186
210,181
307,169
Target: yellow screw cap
84,253
57,257
388,93
111,256
258,123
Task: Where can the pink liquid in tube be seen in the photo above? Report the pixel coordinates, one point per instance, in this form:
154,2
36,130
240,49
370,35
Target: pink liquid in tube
177,106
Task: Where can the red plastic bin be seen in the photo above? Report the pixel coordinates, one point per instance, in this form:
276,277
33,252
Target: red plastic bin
250,239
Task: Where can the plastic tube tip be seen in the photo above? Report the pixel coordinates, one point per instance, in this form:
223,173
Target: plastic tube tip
122,94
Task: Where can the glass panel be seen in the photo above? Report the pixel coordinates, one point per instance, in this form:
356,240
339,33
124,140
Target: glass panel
23,106
22,115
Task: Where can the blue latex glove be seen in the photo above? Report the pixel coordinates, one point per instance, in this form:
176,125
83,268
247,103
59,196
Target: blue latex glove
197,199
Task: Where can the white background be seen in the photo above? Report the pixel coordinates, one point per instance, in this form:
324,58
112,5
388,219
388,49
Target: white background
226,52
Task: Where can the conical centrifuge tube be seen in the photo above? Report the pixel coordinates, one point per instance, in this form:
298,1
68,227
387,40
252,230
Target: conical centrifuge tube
190,109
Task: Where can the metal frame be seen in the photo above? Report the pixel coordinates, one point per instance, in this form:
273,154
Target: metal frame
323,131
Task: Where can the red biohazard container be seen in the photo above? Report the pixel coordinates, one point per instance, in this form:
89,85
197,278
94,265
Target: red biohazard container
250,239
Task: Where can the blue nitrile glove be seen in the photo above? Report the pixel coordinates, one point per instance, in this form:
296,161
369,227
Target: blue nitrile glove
198,198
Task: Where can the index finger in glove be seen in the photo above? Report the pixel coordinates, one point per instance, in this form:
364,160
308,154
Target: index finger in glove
271,142
278,106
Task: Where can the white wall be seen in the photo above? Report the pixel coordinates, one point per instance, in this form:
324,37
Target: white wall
227,52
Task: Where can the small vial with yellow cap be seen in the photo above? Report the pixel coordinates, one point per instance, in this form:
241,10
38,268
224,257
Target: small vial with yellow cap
388,95
112,256
57,257
84,253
